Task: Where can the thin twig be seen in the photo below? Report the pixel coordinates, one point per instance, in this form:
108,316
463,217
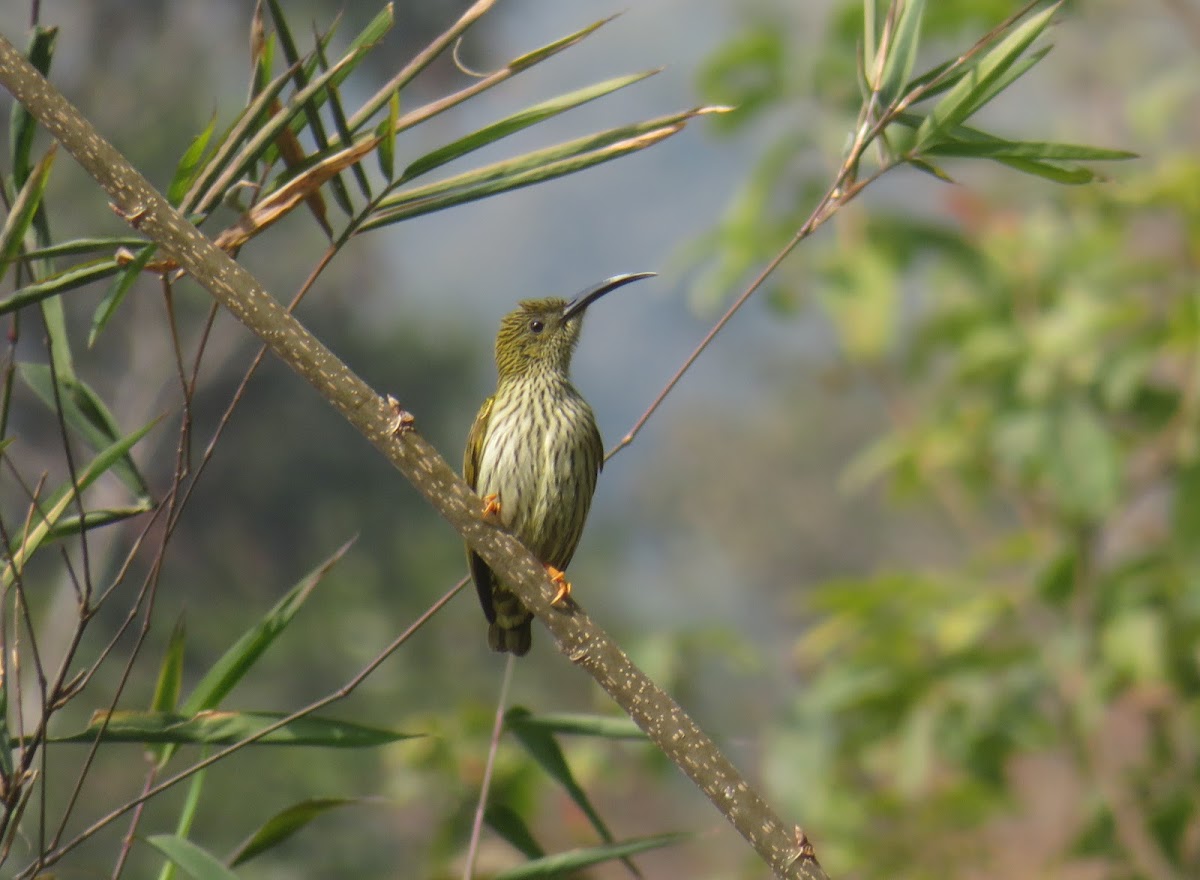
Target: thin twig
488,767
341,693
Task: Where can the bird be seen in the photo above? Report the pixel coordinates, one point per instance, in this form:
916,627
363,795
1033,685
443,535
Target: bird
534,452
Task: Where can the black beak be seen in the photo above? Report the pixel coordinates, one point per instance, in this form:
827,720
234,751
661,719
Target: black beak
589,296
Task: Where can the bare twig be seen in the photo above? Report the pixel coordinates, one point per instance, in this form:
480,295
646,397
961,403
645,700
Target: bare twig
488,767
341,693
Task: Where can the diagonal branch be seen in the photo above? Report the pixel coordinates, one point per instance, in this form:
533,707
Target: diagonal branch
783,847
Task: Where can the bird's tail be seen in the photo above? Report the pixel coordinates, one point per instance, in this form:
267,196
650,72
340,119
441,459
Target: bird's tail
515,639
512,630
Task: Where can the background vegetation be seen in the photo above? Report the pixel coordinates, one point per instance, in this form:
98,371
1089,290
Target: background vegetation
915,539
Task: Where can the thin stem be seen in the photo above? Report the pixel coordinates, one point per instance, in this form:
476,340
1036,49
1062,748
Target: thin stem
486,784
341,693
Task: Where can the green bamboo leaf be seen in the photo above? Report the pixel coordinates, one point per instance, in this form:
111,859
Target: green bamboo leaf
242,655
85,246
976,87
544,748
997,148
54,509
505,822
435,48
69,279
189,164
22,125
902,54
529,59
945,82
1056,173
870,29
264,136
1059,174
170,674
386,131
217,727
170,680
84,412
517,122
68,526
286,41
932,170
580,724
228,144
187,815
197,863
26,204
531,168
1012,74
566,863
116,292
343,129
283,825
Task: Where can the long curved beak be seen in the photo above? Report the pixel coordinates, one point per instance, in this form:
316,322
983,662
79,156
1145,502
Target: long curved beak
589,296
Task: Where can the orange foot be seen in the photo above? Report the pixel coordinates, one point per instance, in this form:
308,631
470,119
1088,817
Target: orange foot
491,506
559,579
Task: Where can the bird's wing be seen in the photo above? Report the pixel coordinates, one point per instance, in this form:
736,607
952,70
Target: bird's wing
480,573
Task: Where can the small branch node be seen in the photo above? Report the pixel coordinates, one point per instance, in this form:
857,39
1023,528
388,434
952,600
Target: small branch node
402,420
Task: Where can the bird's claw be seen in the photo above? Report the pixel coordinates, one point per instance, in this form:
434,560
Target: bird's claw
559,579
491,506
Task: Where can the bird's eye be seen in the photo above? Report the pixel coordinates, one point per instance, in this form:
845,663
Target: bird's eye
536,326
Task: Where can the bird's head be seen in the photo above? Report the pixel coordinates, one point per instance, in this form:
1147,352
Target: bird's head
541,334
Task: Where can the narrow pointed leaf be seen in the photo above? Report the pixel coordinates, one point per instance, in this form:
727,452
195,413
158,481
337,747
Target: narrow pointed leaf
386,133
54,509
68,526
86,246
170,679
226,728
228,144
531,168
265,135
55,318
283,825
902,53
604,726
26,204
116,293
189,164
197,863
1018,69
241,656
523,62
997,148
566,863
1057,173
343,129
187,815
870,30
505,822
170,674
517,122
544,749
85,412
932,170
69,279
976,87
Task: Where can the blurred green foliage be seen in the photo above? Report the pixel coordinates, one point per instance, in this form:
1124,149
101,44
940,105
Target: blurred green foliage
1029,706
